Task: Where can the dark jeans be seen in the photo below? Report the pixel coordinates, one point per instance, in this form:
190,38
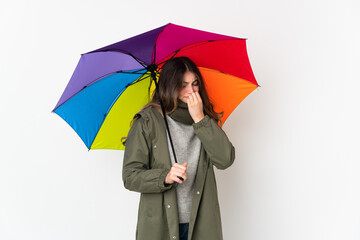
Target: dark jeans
183,231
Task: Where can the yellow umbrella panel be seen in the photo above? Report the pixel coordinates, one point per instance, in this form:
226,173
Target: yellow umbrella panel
117,122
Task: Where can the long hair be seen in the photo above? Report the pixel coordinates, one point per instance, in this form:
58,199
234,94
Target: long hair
170,83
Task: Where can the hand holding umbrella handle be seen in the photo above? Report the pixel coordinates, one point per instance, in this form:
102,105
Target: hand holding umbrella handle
176,174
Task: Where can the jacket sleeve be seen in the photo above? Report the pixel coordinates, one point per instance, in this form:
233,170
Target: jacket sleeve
216,144
136,173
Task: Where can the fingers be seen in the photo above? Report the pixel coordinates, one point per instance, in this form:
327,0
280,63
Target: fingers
174,177
197,96
177,170
195,106
183,178
182,166
194,98
191,98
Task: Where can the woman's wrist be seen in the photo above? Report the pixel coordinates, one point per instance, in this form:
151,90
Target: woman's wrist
198,119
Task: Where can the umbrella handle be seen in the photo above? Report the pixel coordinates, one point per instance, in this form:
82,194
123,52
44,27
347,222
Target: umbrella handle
153,75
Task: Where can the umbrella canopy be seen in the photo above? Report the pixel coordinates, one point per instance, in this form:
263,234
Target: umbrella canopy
111,84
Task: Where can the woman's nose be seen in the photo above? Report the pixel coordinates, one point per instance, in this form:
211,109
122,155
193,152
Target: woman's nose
191,89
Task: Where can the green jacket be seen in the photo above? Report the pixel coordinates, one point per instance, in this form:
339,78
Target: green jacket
146,164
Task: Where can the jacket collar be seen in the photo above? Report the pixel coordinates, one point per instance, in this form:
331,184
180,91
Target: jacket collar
181,114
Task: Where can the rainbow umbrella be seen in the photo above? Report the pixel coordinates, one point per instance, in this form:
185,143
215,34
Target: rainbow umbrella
111,84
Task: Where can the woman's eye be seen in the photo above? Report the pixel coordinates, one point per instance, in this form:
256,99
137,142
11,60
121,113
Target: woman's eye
196,83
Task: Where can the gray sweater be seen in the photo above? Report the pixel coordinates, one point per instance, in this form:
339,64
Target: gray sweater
187,148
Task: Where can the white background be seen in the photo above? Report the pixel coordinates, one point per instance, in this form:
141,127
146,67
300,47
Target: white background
296,173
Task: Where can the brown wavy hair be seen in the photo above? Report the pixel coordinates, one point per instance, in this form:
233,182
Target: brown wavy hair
170,83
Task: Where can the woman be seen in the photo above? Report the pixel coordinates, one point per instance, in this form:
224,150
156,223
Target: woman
170,208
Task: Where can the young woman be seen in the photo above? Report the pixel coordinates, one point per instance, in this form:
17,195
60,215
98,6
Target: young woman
178,200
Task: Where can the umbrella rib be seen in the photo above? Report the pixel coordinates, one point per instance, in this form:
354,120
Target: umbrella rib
96,80
176,52
154,48
136,59
143,77
133,72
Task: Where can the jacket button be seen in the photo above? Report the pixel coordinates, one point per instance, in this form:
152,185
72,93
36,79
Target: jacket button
197,192
155,146
168,206
174,237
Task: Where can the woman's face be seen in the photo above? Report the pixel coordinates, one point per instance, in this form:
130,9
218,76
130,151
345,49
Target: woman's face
190,85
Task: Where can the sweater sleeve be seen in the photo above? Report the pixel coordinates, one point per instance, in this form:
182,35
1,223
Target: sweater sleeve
216,144
137,174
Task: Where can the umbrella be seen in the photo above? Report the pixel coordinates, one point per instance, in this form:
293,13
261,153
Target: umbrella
111,84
